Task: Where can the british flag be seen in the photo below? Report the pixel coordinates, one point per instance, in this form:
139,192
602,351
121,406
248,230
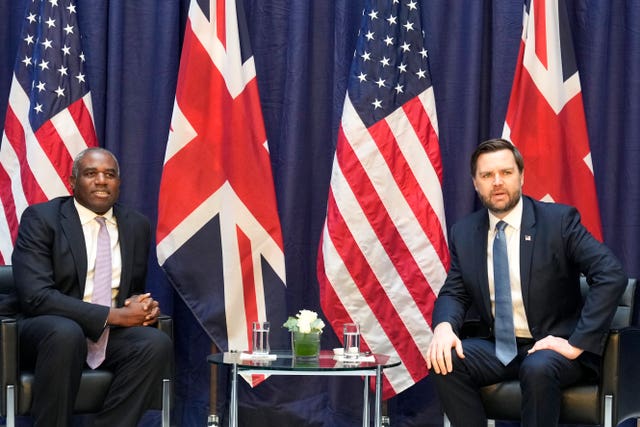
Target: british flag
383,255
49,117
218,237
546,119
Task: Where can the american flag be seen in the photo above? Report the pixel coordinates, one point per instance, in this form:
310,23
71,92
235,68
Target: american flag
383,254
218,237
545,118
49,117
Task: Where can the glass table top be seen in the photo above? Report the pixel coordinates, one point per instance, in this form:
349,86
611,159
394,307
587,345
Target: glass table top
284,360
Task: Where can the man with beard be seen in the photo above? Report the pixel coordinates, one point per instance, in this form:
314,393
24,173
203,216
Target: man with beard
517,263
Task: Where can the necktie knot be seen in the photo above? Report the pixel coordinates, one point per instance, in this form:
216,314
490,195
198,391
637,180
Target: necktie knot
501,225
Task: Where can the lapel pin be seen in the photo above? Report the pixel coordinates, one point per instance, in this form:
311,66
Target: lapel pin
527,238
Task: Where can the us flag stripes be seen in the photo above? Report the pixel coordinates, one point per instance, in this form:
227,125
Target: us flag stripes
545,118
383,254
218,236
49,118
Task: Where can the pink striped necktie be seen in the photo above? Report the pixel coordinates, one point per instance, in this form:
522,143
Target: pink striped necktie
101,292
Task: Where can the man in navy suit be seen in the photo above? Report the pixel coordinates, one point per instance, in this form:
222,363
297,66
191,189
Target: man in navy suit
53,265
559,338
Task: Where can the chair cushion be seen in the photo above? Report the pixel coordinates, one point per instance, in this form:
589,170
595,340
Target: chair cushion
580,403
94,386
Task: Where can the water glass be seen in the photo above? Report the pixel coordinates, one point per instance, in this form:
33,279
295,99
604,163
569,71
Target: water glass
260,338
351,336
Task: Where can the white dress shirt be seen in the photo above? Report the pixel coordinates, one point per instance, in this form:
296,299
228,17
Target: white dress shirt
90,228
512,231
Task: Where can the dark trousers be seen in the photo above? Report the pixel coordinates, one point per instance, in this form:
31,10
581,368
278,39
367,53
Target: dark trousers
55,348
542,376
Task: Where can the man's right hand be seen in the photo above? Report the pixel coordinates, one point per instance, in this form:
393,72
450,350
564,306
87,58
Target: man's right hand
439,351
140,310
149,305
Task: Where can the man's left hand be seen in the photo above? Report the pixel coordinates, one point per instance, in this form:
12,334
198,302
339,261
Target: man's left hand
150,306
557,344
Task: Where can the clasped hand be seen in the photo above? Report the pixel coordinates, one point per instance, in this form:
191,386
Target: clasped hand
139,310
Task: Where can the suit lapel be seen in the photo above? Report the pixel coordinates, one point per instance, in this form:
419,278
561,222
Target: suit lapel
72,229
479,248
125,235
527,239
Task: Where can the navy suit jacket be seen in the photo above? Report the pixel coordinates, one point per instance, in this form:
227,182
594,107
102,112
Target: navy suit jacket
50,262
555,248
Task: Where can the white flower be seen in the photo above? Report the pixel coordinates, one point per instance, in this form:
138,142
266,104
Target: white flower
306,321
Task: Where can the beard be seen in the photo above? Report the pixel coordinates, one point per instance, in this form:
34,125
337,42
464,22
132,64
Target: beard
501,207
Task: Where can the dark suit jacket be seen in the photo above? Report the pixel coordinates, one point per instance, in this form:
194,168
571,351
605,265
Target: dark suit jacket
554,249
50,262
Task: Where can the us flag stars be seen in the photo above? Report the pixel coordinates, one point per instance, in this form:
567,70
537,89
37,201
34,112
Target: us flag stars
391,65
52,66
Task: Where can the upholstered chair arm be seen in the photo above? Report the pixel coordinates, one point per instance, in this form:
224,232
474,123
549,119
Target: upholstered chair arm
8,358
165,324
628,391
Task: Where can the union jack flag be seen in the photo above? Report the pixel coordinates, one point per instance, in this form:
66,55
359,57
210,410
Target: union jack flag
383,254
218,237
49,118
545,118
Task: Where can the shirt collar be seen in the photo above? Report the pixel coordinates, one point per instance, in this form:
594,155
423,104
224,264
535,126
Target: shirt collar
513,218
86,215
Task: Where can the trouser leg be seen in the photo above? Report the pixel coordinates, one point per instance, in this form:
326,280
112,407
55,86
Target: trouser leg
55,348
459,391
543,375
139,358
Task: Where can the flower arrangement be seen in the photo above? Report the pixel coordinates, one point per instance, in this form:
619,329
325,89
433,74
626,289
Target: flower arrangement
306,321
305,330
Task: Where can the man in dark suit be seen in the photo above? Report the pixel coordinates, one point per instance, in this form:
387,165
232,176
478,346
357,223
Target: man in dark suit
558,338
54,266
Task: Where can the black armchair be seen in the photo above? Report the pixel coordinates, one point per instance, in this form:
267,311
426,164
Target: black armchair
16,390
610,401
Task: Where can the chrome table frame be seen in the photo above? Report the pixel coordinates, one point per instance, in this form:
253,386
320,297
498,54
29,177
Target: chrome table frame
363,369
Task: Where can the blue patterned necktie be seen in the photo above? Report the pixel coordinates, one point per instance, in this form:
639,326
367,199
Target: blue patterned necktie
506,348
101,292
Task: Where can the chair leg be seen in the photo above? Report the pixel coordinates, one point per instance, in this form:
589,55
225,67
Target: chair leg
166,403
11,406
608,410
490,423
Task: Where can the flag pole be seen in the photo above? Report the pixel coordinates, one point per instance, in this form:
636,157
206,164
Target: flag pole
213,383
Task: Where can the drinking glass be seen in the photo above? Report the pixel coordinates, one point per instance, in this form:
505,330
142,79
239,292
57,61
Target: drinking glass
260,338
351,336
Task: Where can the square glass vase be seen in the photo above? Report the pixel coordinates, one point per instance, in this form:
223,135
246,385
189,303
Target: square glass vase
305,345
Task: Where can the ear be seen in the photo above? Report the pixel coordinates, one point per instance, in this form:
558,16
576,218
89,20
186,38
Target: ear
72,182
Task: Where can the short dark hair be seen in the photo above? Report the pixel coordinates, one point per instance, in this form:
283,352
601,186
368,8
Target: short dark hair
76,162
492,145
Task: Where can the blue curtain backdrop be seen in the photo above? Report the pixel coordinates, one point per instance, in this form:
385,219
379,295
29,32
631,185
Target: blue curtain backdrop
303,51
